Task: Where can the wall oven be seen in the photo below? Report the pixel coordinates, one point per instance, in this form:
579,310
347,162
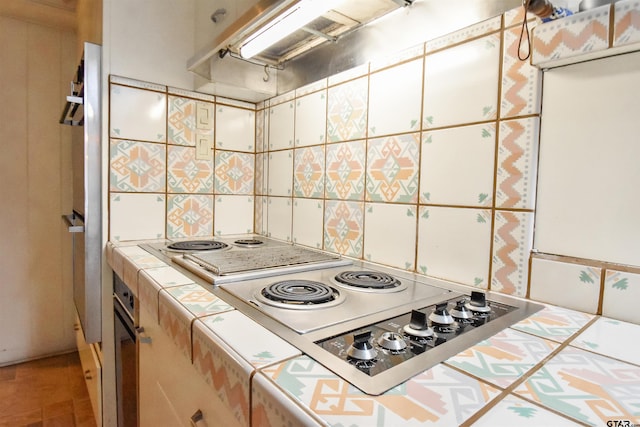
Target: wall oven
82,111
125,354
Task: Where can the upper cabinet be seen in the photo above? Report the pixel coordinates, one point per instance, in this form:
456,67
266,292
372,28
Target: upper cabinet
604,31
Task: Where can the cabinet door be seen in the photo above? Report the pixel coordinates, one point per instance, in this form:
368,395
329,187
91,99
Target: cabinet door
92,369
171,391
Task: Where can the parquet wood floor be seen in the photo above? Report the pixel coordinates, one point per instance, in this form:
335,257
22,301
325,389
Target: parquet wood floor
49,392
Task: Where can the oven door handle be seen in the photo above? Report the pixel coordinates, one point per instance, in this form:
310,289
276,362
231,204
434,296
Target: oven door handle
142,339
72,227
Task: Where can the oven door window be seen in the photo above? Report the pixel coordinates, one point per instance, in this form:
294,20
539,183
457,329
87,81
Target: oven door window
126,373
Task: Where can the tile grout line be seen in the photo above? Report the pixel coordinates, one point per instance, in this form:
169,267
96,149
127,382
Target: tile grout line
530,372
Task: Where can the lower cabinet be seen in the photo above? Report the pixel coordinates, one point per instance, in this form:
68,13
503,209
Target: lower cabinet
92,368
171,391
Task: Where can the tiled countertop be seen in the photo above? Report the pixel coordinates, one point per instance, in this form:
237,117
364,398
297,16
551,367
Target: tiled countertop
558,367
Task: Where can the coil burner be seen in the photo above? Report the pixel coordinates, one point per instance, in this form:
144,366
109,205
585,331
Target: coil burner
369,281
249,243
196,246
300,295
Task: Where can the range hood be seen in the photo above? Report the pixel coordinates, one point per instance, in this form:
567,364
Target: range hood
346,36
346,16
220,62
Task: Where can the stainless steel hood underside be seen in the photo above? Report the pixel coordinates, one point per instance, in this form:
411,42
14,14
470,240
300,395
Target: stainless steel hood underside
351,35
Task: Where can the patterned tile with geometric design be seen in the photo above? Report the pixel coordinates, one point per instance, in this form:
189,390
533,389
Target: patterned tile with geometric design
175,320
554,323
626,25
308,179
514,411
392,168
574,35
227,375
198,300
588,387
611,338
181,121
512,242
504,357
189,215
345,170
234,172
438,396
137,166
343,227
186,173
517,163
521,82
347,110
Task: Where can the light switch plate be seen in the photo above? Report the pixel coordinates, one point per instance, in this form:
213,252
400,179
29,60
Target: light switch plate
204,145
204,116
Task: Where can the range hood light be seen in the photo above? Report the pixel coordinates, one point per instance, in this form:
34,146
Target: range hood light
291,20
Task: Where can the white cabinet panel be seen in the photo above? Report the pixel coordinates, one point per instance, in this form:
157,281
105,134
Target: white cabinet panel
92,369
171,391
588,197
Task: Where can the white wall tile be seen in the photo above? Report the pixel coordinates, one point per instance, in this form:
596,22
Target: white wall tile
308,216
568,285
457,166
461,83
621,296
281,126
235,128
395,99
454,244
311,119
233,215
137,216
138,114
279,218
281,173
390,234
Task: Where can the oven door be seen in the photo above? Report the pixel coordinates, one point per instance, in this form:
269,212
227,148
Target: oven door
126,365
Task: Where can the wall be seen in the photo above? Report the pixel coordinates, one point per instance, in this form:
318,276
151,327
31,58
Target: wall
428,162
157,186
149,40
37,62
425,161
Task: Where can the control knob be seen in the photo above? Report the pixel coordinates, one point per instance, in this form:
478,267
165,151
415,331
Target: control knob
460,312
361,349
392,341
478,303
417,326
440,316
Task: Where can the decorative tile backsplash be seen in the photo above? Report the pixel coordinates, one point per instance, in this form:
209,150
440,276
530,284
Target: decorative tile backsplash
165,180
428,164
425,161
